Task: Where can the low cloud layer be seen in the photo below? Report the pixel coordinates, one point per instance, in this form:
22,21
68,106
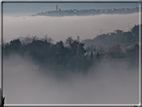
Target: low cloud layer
59,28
111,82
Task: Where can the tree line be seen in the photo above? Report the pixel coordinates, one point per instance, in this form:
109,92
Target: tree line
71,55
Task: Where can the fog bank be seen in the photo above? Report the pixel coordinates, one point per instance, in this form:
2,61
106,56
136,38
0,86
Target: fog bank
108,83
59,28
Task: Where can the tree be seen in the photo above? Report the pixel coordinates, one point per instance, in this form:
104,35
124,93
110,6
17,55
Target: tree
135,30
60,49
91,50
115,51
27,40
49,40
13,46
81,49
69,41
100,49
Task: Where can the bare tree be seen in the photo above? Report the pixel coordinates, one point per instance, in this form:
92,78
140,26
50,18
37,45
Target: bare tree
69,41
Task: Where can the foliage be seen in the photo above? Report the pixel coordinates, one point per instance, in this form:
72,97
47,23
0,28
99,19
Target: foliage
74,57
111,39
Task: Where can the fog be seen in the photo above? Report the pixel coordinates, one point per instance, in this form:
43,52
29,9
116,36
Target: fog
111,82
59,28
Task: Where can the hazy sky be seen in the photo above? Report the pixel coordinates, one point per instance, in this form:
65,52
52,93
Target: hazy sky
59,28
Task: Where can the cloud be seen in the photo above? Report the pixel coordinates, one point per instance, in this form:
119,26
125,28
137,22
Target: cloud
59,28
111,82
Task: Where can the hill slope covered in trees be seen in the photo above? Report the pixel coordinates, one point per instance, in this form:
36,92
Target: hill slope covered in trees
117,37
73,55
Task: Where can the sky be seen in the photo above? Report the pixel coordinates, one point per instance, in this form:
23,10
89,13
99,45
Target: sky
59,28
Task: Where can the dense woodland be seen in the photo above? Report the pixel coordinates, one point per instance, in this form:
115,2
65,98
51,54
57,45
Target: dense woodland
120,38
73,55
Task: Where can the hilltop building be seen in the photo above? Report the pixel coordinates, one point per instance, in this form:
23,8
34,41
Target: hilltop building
78,38
118,31
56,7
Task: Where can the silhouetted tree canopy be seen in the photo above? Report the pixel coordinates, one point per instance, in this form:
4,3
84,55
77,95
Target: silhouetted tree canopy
72,55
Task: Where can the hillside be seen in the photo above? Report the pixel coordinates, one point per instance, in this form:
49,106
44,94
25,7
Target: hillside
75,56
117,37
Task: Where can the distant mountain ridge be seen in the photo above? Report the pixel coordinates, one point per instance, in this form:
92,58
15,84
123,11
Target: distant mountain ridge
24,8
84,12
